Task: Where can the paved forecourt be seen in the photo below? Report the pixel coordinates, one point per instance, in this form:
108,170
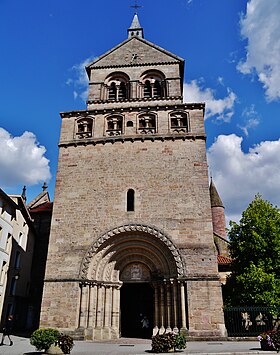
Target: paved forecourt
138,346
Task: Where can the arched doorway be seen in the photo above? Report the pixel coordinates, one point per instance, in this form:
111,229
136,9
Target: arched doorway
133,271
136,310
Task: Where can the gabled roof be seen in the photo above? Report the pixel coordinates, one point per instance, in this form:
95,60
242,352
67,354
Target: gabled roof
45,207
121,55
42,198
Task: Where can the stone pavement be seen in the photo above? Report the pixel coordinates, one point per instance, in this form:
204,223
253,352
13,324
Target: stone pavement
138,347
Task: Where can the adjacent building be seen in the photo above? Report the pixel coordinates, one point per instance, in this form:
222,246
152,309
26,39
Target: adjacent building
17,238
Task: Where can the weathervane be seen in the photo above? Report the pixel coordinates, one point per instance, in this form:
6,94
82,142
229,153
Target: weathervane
136,6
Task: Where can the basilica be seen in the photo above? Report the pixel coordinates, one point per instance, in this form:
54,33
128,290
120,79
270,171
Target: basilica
132,226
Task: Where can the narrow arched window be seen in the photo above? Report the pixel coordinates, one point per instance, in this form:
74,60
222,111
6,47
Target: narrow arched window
112,92
130,200
157,89
147,89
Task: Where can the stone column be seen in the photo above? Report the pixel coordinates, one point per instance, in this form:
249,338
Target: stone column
183,308
107,313
84,306
116,313
175,302
99,313
155,329
92,306
168,306
162,329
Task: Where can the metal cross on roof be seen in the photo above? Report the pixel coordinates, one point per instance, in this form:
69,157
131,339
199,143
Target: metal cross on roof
136,6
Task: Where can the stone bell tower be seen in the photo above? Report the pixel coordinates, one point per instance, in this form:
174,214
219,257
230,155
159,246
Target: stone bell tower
131,231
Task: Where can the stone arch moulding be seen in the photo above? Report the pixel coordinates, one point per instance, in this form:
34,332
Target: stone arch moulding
132,228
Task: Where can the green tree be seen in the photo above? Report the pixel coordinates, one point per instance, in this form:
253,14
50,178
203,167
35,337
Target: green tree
255,250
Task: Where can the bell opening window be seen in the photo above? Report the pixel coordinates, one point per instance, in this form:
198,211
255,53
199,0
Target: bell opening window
179,122
84,128
113,92
130,200
114,125
157,89
154,84
147,89
117,84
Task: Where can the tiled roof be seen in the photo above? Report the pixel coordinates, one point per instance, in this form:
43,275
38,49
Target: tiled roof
223,260
46,207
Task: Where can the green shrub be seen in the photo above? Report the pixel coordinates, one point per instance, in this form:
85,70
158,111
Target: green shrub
43,338
180,341
165,342
66,343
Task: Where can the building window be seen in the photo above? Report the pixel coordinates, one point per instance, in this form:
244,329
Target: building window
117,84
130,200
122,91
157,89
17,260
114,125
147,124
179,122
147,89
13,287
153,83
84,128
112,92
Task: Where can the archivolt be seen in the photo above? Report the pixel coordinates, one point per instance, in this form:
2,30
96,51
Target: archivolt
131,228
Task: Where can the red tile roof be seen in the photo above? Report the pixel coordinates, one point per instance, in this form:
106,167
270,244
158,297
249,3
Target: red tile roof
223,260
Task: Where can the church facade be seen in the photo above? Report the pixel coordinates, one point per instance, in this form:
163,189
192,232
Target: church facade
131,233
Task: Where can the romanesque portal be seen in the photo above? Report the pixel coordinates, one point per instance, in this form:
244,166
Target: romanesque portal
138,272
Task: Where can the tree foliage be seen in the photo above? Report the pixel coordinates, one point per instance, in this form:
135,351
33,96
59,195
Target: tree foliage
255,250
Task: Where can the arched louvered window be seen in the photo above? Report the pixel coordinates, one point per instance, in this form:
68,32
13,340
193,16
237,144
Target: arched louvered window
157,89
122,91
112,92
147,89
130,200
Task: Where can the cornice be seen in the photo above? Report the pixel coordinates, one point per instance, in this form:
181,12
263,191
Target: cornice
167,106
149,99
134,65
134,138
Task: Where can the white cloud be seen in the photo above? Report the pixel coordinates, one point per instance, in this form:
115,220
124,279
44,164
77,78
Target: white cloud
238,176
79,81
261,27
252,119
222,109
22,160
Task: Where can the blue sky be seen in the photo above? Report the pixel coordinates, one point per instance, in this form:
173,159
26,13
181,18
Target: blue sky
232,54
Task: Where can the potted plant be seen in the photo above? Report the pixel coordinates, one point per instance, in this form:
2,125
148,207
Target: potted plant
51,341
266,341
